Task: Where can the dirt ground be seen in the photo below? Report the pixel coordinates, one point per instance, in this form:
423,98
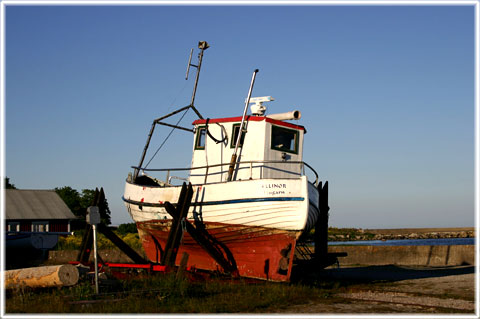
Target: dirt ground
396,289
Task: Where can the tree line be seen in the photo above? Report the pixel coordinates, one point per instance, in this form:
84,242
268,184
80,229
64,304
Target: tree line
78,202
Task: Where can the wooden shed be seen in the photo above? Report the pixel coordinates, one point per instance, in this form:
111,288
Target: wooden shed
36,211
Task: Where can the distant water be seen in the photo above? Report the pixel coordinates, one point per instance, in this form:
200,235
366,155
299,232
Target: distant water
407,242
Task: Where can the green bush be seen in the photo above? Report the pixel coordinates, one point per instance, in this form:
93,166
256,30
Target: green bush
127,228
74,242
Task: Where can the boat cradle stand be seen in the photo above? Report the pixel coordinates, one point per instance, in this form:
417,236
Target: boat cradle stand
320,258
179,213
220,253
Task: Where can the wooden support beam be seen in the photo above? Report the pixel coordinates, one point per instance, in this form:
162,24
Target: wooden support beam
86,245
210,245
215,249
183,265
321,226
132,254
41,277
179,214
87,241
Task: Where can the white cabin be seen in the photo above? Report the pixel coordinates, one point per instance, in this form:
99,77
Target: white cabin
271,149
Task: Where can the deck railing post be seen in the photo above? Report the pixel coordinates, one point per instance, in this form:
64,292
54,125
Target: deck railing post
206,174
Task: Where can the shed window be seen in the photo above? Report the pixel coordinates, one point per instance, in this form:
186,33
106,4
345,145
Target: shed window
284,139
200,139
13,227
40,226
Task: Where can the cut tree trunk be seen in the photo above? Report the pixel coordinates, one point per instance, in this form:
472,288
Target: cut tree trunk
41,277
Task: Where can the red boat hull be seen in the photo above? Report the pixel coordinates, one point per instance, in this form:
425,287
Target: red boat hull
257,252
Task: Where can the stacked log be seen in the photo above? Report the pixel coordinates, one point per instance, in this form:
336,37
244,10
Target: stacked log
41,277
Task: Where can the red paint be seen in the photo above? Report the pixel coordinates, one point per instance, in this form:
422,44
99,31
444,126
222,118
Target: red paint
152,267
249,118
122,265
138,266
256,251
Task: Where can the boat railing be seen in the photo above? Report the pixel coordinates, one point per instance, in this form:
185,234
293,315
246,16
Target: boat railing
244,164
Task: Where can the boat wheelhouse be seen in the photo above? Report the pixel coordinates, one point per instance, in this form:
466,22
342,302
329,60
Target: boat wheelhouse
253,196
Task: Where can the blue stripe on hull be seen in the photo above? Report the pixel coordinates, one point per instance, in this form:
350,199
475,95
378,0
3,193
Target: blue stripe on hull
224,202
252,200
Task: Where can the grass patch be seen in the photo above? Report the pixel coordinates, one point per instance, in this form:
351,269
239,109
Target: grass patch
166,294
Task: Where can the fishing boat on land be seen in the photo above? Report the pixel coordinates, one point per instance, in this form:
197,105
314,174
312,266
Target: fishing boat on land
252,195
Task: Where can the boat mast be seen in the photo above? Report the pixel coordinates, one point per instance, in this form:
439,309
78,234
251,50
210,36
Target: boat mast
233,161
202,45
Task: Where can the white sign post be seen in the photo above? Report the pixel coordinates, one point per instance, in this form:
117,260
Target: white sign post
93,218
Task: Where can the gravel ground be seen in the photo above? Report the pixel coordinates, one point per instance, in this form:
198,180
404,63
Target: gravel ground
409,299
394,289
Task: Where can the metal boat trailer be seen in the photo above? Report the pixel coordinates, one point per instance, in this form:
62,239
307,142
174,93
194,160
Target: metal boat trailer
318,259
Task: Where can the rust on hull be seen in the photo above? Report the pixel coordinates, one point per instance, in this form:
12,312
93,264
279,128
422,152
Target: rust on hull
254,252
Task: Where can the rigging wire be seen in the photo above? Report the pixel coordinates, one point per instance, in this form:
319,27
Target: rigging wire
166,138
169,108
176,96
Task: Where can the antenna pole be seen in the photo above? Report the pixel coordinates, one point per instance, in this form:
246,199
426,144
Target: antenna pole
233,161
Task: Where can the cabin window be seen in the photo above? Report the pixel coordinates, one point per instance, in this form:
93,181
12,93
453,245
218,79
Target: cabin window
284,139
235,129
200,138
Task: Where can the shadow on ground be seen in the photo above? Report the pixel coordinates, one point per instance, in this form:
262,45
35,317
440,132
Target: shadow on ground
371,274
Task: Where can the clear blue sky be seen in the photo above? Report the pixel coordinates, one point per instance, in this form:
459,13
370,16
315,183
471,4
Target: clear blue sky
386,93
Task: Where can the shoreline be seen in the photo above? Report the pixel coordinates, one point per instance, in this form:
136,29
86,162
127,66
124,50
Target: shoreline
418,230
354,234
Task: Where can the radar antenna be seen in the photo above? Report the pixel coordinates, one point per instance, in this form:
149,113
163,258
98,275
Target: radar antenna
258,109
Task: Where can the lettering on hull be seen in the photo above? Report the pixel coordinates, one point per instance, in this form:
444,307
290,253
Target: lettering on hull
273,189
